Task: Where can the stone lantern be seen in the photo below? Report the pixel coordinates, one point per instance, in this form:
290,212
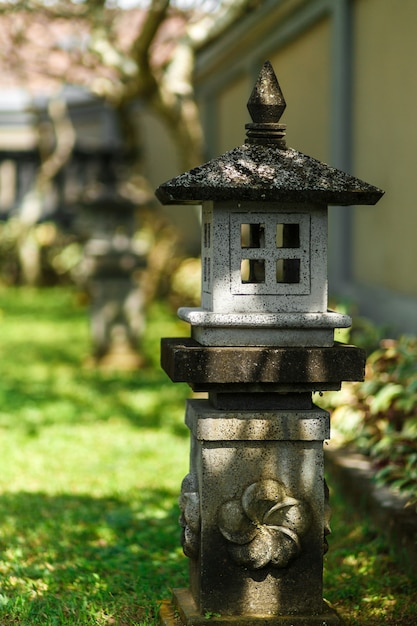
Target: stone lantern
254,504
107,222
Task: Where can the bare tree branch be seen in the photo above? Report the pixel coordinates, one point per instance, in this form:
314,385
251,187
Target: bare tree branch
115,53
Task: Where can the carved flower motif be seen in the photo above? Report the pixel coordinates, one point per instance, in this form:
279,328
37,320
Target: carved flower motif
189,503
264,526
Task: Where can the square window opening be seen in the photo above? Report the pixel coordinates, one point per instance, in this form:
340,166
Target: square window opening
252,271
288,236
252,235
288,271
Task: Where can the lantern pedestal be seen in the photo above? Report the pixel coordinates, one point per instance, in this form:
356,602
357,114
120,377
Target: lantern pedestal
254,507
254,516
258,478
260,368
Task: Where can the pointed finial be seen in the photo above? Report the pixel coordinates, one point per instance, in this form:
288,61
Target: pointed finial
266,105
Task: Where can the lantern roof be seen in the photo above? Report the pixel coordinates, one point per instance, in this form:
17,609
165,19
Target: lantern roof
263,168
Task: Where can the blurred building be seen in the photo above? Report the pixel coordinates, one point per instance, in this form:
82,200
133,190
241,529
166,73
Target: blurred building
347,71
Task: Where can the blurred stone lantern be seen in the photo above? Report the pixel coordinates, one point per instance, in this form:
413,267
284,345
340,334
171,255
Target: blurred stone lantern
107,223
254,504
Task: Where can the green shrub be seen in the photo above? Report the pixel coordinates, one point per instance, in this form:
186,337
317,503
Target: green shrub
378,417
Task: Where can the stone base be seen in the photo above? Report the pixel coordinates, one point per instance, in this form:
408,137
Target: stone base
250,369
182,611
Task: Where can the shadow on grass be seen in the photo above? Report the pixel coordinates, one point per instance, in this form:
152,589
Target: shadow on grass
43,380
79,560
362,577
147,399
83,560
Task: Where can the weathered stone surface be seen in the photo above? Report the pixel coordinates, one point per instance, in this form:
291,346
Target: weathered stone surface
267,173
185,360
264,171
182,611
262,401
259,483
266,103
263,328
247,254
274,321
209,424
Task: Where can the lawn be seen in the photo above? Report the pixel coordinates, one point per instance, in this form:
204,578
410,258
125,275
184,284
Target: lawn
91,467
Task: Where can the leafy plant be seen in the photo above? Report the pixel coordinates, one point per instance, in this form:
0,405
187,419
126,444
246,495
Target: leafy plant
378,417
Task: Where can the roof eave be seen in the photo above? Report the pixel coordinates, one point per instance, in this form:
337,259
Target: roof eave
198,195
268,174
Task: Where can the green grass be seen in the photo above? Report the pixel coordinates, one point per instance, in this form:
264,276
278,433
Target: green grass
90,471
362,579
91,465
